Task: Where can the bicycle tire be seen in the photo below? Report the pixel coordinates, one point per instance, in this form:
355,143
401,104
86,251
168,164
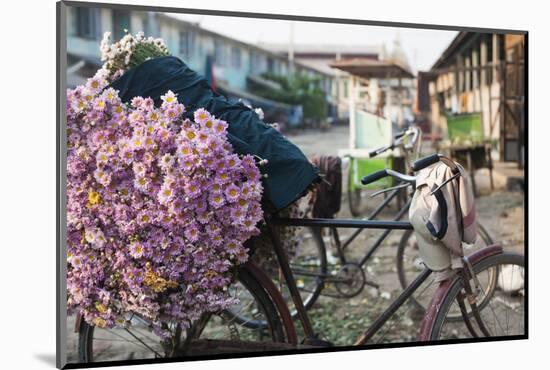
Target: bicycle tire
401,268
354,202
320,280
310,299
354,195
495,262
273,321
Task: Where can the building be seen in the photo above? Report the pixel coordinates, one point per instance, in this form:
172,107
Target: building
319,57
481,73
400,94
235,64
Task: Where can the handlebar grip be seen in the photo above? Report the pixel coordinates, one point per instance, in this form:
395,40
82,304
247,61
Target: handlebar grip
374,153
381,150
425,162
400,134
374,177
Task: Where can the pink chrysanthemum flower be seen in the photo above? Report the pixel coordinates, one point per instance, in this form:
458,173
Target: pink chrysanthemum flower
192,189
165,194
202,116
100,104
169,98
166,161
110,95
136,249
220,126
137,102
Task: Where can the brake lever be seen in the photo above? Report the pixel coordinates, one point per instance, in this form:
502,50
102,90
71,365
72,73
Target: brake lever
400,186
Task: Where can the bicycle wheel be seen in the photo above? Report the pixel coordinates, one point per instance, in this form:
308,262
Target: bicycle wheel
354,202
309,268
139,342
503,313
409,265
354,195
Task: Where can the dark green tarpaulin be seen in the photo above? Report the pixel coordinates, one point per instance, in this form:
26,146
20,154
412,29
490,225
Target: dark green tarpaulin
289,171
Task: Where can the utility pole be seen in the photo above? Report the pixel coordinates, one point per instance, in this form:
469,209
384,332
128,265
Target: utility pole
291,48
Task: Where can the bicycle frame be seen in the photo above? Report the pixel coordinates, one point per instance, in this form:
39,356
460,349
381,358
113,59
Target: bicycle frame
408,153
344,223
341,247
274,221
399,301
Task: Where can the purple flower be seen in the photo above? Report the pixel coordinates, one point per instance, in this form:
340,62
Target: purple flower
232,193
216,200
192,232
136,249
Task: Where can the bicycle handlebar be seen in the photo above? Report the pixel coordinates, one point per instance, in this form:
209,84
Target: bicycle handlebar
398,140
381,150
375,176
431,159
399,135
387,172
417,166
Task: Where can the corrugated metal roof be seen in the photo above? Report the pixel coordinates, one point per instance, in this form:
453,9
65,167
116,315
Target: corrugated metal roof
455,46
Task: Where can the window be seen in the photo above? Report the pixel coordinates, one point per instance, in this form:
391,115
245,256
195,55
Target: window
121,22
345,91
87,23
270,65
235,57
254,62
186,43
219,53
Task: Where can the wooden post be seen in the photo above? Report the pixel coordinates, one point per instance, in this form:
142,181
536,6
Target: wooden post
387,112
351,102
495,56
485,84
475,70
461,75
483,56
468,64
400,122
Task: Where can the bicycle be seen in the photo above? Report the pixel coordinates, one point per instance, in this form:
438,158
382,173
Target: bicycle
488,260
313,269
476,304
408,145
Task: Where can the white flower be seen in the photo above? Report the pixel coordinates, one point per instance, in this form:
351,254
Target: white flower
127,58
169,97
259,112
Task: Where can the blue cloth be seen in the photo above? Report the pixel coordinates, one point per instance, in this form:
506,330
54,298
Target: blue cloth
289,171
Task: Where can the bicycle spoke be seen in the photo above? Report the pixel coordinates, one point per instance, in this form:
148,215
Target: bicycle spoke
145,344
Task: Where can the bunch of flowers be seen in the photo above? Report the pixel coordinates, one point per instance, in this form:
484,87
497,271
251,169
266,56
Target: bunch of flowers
130,51
158,209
